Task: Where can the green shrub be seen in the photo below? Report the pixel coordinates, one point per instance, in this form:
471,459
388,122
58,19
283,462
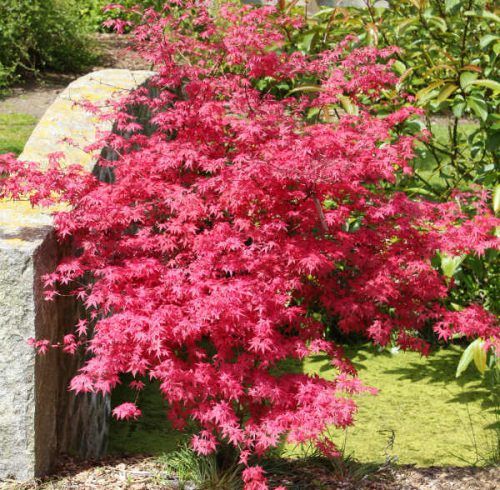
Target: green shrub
42,35
92,11
449,63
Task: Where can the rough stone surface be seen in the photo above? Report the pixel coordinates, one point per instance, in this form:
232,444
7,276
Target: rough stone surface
66,118
38,417
17,364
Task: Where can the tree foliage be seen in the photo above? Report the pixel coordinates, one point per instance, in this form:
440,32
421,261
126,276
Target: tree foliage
448,62
95,13
237,217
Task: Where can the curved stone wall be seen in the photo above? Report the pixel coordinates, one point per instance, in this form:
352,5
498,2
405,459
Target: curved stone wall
39,418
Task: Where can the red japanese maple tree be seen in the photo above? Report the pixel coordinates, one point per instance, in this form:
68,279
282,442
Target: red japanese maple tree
235,217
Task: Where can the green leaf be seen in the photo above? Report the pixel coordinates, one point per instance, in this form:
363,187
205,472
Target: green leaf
492,142
305,88
487,40
420,190
283,86
405,23
474,352
399,67
491,84
446,92
458,109
467,77
451,4
313,112
465,359
485,14
494,360
307,40
479,107
423,94
348,105
414,125
480,355
324,12
450,263
496,199
439,23
262,84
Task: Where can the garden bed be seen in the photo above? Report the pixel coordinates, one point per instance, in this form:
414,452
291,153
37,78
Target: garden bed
142,473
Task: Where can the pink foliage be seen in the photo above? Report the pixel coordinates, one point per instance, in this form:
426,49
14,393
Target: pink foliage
235,219
126,411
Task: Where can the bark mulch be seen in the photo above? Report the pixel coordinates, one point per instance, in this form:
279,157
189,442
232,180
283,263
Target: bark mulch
145,473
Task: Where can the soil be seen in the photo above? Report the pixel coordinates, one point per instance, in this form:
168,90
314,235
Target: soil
143,473
448,478
34,97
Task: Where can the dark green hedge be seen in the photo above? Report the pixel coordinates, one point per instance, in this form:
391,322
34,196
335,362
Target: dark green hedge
42,35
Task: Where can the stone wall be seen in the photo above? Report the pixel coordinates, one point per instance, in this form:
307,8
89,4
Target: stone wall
39,418
18,305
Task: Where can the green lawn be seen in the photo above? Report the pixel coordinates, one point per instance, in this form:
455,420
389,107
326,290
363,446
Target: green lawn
15,129
432,418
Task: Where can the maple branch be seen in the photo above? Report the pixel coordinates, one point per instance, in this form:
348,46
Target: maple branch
321,214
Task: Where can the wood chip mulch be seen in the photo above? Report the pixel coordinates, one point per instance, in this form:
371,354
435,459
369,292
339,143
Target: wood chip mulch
144,473
110,473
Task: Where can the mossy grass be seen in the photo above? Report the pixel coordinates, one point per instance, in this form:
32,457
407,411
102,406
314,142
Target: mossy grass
422,415
15,129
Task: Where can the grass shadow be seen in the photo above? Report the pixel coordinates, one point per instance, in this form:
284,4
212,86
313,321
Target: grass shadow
152,433
440,367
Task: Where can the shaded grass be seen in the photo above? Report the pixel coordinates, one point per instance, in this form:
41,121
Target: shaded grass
149,434
15,130
422,415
